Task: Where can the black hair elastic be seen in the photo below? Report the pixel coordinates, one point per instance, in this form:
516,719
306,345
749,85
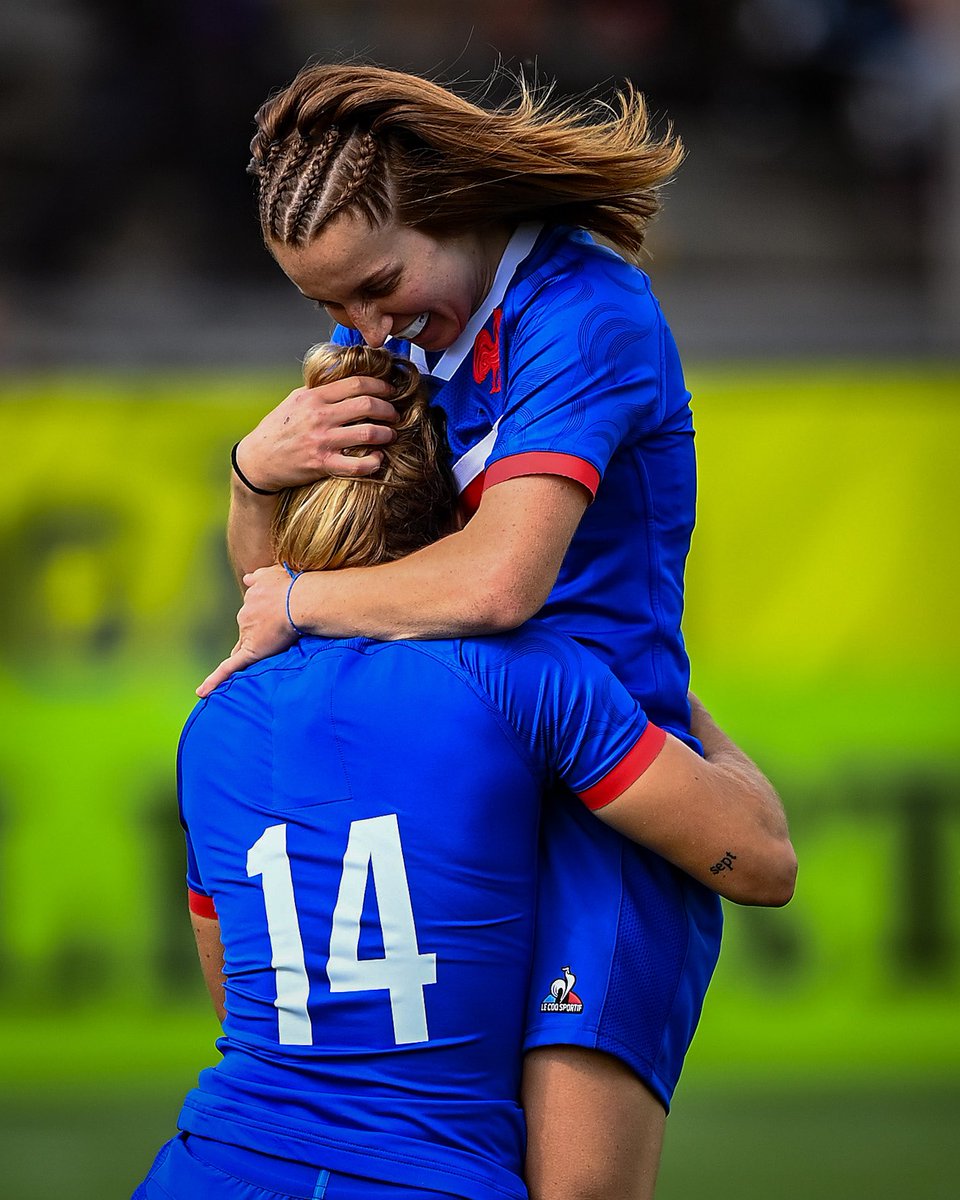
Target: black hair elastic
244,480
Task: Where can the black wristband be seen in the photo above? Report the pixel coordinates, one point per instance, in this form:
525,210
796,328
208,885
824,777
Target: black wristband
243,479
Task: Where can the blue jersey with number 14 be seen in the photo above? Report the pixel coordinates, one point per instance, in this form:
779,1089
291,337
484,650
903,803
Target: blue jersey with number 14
362,818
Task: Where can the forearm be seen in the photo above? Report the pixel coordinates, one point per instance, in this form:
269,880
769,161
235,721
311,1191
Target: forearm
444,590
491,576
738,770
720,820
749,857
206,931
249,542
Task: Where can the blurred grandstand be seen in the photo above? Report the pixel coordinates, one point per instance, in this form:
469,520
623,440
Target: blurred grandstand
818,212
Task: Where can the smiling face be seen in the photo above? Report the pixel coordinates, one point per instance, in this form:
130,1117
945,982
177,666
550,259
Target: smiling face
394,281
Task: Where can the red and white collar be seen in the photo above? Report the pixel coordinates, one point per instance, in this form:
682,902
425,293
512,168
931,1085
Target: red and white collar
518,248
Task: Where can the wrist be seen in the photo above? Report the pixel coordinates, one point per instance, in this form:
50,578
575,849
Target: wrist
298,601
255,486
294,576
242,497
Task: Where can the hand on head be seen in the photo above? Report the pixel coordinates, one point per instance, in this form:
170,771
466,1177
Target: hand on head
379,506
312,433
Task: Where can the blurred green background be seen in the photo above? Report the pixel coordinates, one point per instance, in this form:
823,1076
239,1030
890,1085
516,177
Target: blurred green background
822,625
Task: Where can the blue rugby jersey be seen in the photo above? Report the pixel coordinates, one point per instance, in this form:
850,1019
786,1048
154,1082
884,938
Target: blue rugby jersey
362,817
568,367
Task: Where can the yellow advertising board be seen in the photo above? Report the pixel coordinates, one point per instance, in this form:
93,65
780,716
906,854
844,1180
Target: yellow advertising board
821,622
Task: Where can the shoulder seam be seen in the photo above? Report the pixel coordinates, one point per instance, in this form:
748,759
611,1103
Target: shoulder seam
493,708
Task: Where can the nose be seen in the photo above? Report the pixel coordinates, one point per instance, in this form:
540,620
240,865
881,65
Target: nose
374,327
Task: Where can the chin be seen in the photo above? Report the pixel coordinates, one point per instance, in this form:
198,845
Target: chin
443,339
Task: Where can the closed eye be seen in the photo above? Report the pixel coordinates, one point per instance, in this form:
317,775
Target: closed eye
373,289
380,288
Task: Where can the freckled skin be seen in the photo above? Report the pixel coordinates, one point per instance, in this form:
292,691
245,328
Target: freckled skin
381,280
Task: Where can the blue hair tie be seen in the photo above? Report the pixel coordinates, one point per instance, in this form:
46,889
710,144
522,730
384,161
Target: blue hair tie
294,576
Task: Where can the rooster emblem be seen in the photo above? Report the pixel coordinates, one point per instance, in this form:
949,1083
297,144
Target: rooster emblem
561,988
562,997
486,353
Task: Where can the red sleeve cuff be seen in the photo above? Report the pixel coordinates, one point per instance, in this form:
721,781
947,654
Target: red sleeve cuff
543,462
628,770
202,905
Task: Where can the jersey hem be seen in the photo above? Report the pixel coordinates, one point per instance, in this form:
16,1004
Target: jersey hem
400,1166
539,1037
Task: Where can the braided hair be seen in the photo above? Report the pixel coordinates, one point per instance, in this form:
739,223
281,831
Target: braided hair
388,145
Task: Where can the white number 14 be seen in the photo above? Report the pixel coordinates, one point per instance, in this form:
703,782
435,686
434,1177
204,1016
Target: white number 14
373,845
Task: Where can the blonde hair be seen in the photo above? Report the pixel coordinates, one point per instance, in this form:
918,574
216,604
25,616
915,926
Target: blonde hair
409,502
387,144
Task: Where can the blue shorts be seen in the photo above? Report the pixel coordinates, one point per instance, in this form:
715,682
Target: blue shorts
625,947
195,1168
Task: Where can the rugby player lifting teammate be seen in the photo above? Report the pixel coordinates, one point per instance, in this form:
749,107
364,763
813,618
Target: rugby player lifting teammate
462,237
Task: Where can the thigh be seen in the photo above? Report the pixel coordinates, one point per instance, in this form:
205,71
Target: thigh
594,1130
625,947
